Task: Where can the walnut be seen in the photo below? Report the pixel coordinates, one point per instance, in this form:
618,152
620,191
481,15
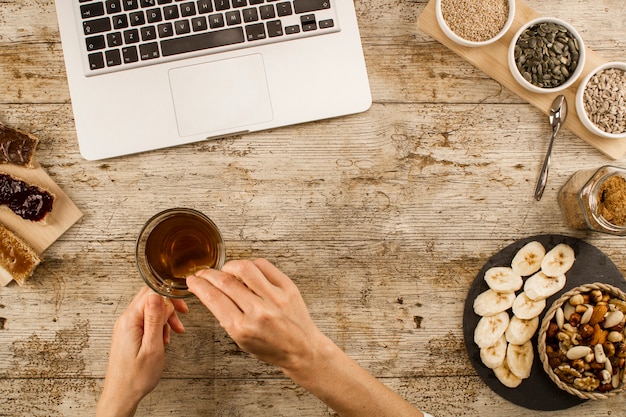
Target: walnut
567,374
587,383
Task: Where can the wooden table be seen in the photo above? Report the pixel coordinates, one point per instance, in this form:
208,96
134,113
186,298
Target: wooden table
383,219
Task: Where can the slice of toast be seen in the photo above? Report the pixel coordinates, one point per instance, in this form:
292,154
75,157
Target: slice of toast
17,147
17,259
28,201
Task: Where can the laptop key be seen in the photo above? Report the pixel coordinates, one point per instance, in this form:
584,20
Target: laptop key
96,61
165,30
149,51
255,32
87,11
113,6
222,4
130,5
129,54
284,9
202,41
306,6
131,36
113,58
289,30
182,27
267,12
120,21
274,28
250,15
95,42
204,6
92,27
324,24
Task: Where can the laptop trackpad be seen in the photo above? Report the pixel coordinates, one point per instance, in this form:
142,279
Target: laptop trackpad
221,95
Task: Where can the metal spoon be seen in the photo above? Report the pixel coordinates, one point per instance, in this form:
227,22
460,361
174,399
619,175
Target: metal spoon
558,113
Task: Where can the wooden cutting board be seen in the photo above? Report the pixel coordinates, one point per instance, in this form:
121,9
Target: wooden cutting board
492,60
63,215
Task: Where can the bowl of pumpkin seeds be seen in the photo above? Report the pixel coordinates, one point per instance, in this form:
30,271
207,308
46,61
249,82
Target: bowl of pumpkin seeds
601,100
546,55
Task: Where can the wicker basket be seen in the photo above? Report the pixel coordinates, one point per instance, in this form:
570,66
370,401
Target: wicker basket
616,293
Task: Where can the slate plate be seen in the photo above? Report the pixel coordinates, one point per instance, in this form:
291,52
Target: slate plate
538,392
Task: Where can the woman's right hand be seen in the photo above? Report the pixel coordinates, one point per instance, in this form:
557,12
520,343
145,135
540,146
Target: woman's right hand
262,310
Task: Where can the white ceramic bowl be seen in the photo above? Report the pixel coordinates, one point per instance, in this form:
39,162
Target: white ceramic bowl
573,76
580,105
461,41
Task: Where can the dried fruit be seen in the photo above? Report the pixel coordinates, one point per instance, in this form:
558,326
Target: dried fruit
586,352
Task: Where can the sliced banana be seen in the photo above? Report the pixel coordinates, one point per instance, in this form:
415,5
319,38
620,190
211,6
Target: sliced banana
503,279
558,260
521,331
525,308
540,286
528,259
490,329
519,359
508,378
490,302
493,356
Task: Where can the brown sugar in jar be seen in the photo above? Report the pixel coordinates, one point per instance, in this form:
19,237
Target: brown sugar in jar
595,199
612,200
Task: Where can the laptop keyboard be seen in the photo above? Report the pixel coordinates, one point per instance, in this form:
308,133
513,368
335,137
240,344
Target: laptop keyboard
121,34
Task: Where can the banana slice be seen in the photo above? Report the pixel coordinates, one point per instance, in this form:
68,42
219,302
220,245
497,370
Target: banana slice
508,378
503,279
540,286
558,260
525,308
490,329
521,331
490,302
493,356
528,259
519,359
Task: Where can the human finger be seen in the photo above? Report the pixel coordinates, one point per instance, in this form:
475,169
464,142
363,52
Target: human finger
170,312
175,323
166,334
250,275
137,304
180,305
222,306
154,319
235,289
272,273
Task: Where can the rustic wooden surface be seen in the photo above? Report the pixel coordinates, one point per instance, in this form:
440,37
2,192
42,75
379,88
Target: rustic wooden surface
382,219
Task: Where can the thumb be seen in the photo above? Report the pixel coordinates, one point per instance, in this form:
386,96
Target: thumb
154,319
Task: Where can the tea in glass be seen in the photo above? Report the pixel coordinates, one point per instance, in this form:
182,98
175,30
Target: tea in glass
175,244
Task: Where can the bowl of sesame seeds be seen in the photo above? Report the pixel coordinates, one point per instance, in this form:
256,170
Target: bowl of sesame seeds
546,55
475,23
601,100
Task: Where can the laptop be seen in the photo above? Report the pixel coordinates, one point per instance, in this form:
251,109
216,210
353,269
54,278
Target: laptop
151,74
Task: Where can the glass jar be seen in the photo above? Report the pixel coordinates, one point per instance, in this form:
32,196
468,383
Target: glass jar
585,204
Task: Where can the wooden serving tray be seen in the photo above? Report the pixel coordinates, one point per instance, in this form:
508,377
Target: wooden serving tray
492,60
63,215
